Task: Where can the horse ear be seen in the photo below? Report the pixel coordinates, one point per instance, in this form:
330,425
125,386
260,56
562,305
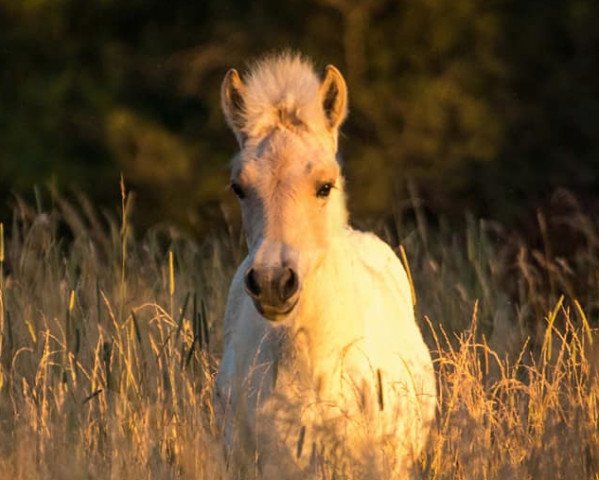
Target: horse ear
232,92
333,95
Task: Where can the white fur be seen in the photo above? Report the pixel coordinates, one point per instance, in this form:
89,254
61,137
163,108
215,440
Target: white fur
318,370
285,82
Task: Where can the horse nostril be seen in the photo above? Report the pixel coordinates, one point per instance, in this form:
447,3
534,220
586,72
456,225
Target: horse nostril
251,283
288,284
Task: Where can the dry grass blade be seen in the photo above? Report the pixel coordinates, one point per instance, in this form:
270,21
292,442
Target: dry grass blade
406,265
1,242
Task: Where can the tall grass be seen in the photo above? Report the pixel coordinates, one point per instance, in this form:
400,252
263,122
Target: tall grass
109,343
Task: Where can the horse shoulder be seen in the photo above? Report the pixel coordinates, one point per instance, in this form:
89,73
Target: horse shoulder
378,259
249,344
227,370
395,335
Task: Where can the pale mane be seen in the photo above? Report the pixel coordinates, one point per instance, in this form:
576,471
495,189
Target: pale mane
282,91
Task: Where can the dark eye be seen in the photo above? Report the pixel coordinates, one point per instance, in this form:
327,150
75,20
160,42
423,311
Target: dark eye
324,190
237,190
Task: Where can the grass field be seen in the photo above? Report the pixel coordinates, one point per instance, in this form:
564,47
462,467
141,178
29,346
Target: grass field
109,342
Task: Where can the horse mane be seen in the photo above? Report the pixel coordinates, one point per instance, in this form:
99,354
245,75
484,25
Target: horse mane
282,90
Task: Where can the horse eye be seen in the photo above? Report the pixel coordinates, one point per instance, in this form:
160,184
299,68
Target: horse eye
324,190
238,191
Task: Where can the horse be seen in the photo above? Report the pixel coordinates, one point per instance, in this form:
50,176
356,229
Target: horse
323,366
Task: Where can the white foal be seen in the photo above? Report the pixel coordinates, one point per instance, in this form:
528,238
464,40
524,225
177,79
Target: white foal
324,367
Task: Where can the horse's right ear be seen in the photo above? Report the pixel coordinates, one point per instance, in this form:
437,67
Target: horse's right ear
231,95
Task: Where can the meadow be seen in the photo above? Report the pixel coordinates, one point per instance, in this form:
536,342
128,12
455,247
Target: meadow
110,339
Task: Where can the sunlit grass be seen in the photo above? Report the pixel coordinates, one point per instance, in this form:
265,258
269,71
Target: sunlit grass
109,343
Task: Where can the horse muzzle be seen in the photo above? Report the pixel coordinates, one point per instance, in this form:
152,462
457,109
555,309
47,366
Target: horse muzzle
274,290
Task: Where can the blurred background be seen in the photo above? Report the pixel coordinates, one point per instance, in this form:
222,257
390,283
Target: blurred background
486,106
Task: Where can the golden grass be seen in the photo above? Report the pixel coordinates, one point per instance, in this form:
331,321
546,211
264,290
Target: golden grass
109,344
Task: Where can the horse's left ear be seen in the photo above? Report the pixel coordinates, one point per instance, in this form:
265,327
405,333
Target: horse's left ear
333,95
231,94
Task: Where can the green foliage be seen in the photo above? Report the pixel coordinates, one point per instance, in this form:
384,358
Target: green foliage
486,105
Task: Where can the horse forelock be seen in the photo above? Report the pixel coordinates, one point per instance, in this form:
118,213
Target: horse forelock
282,91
